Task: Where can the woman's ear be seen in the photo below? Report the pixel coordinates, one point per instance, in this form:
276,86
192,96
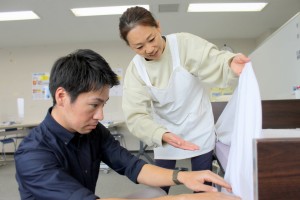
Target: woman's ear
158,26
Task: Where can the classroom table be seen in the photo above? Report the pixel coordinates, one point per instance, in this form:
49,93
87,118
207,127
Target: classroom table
112,126
18,126
10,133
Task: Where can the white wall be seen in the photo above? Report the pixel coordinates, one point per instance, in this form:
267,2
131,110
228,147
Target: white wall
18,64
276,61
245,46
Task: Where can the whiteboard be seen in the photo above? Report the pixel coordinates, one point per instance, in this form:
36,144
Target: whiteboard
276,61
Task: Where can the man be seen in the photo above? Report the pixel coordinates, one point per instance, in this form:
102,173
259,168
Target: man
60,159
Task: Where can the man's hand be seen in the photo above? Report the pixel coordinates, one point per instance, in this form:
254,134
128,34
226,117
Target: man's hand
155,176
205,195
194,180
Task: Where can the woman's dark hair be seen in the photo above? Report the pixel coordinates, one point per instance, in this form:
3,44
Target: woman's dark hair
132,17
81,71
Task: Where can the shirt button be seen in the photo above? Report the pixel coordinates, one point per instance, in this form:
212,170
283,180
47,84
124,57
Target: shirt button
66,143
86,171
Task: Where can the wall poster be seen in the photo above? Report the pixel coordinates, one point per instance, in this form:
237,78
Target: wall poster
40,86
117,90
220,94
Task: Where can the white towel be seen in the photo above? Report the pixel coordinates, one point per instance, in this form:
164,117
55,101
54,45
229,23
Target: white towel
238,125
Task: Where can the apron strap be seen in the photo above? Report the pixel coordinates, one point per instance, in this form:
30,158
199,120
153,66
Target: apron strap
172,40
141,69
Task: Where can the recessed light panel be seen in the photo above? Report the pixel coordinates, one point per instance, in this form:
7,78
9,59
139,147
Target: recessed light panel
109,10
18,15
226,7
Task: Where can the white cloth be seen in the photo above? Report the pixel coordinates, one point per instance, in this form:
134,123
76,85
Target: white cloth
239,124
183,108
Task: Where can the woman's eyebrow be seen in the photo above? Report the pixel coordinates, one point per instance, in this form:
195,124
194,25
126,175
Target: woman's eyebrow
151,35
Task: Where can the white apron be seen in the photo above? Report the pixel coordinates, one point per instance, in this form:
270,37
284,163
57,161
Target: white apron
182,107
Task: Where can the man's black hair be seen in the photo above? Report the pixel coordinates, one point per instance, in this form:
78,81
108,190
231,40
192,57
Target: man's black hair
81,71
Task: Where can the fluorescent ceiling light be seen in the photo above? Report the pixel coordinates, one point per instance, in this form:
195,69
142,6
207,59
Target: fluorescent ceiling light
226,7
109,10
18,15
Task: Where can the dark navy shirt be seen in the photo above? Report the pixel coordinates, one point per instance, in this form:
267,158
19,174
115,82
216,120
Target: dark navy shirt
53,163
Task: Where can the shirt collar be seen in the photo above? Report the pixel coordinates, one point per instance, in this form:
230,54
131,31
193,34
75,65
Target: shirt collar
56,129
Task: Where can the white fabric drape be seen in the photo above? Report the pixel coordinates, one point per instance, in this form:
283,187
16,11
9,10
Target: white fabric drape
240,122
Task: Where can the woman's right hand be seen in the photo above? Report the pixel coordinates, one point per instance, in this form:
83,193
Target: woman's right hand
178,142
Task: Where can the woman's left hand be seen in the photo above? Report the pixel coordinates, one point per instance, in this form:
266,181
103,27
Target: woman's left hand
178,142
238,63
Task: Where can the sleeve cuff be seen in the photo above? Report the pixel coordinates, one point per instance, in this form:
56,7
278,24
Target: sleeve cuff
157,137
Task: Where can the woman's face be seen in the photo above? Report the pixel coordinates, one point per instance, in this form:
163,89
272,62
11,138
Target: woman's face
146,41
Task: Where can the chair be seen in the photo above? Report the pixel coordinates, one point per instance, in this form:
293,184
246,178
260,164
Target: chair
120,138
142,152
7,140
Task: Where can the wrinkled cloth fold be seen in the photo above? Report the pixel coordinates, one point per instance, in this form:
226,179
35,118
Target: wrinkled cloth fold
238,125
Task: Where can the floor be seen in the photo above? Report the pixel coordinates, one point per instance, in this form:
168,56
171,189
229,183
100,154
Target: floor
109,184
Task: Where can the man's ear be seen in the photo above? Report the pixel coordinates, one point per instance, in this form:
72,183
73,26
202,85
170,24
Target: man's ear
61,96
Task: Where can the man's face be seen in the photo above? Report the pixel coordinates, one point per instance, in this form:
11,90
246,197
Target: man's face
84,113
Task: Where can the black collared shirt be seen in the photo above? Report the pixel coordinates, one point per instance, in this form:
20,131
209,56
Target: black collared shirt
53,163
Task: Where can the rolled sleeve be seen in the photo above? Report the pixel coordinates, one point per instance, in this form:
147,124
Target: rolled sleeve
120,159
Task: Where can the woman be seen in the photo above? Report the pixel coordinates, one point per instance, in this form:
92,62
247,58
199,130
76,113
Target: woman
164,99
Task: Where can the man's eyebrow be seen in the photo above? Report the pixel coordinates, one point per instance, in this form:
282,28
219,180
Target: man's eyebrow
101,100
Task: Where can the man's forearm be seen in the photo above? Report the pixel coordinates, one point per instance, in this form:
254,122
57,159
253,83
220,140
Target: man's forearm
152,175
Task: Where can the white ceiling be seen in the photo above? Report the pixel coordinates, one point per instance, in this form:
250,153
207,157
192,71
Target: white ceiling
58,25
